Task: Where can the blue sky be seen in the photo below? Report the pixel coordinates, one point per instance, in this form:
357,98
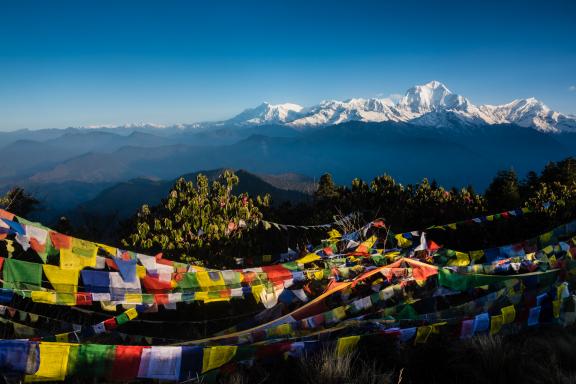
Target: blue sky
72,63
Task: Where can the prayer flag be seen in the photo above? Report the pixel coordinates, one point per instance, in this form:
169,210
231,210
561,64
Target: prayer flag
53,363
346,345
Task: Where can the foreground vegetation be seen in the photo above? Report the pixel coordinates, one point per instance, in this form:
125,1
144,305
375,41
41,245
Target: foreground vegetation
540,356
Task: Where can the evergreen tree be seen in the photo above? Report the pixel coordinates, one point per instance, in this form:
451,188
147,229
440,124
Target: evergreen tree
327,189
504,191
563,171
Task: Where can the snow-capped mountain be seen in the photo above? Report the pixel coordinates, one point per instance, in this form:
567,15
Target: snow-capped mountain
268,114
431,104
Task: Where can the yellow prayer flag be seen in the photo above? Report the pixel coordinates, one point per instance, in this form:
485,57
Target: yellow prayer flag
256,291
556,305
109,249
66,298
546,237
216,299
367,245
508,314
308,258
206,282
215,357
402,241
44,297
346,345
436,327
50,297
496,323
132,313
200,296
108,306
141,271
53,363
560,290
422,334
462,259
62,338
84,248
334,234
552,260
133,298
476,255
62,280
452,226
282,330
72,261
339,312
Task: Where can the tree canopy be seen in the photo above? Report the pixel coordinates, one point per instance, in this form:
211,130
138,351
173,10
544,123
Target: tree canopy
198,221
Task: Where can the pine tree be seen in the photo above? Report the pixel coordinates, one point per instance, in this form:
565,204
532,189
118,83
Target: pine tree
504,191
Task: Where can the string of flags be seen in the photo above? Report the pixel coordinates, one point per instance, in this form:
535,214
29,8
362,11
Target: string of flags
406,239
367,291
338,223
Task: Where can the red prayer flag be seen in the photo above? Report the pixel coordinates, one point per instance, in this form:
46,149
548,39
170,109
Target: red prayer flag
60,241
277,273
161,298
154,285
126,362
110,324
6,215
36,246
275,349
164,261
432,246
111,264
83,298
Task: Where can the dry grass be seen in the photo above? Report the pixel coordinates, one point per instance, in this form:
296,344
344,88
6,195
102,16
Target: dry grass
327,368
544,356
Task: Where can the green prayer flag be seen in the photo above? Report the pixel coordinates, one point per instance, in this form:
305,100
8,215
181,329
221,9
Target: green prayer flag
72,359
122,318
188,281
408,313
18,273
463,282
95,360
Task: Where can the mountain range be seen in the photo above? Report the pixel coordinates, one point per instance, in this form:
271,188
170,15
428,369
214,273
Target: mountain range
429,132
431,104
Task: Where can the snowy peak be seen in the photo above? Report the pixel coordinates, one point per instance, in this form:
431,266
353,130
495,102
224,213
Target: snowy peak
432,96
530,113
430,104
331,112
267,113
